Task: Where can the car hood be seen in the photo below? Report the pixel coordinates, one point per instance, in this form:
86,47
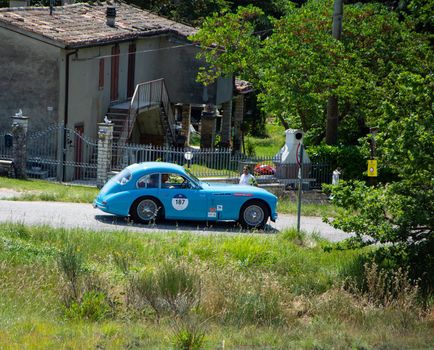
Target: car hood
225,187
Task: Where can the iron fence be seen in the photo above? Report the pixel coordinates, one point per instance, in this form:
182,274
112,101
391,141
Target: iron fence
5,146
204,162
321,173
65,154
59,153
208,163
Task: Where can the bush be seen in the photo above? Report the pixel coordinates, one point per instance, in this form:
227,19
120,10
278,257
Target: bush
390,215
170,289
351,159
70,263
93,306
188,333
258,307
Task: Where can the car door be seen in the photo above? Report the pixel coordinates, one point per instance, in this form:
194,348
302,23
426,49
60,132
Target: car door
182,199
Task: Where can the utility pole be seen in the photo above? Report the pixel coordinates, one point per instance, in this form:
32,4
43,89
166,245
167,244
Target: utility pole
332,105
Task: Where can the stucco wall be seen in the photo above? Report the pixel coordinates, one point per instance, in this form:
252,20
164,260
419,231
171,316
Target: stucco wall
32,77
87,103
29,80
175,61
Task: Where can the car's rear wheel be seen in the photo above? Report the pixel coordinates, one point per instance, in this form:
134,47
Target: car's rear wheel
254,214
145,210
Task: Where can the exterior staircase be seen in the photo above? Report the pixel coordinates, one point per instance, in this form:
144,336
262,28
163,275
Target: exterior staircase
146,95
118,116
169,139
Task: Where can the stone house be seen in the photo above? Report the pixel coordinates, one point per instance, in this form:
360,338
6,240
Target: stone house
76,64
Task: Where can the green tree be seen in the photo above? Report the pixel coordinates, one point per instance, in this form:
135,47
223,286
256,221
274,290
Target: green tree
190,12
421,12
400,213
299,65
195,11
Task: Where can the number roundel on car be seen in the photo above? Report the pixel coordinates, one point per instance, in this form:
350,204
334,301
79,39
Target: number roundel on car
179,202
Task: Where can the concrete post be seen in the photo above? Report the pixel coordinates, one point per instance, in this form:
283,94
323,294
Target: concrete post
238,120
208,127
186,121
226,124
20,125
105,140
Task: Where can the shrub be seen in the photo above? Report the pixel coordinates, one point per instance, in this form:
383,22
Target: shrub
389,288
256,307
188,333
70,263
172,289
393,214
143,290
243,298
250,148
351,159
122,262
93,306
179,288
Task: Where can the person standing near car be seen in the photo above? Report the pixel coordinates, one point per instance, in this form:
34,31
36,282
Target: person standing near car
247,178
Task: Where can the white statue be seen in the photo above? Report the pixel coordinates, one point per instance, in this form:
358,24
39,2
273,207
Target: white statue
107,120
288,153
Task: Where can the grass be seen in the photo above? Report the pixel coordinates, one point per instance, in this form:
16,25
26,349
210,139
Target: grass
256,292
267,146
286,206
39,190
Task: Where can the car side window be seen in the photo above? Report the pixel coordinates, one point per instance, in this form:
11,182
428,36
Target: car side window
148,181
171,180
123,177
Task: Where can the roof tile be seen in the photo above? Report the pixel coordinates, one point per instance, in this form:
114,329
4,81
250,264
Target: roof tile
85,24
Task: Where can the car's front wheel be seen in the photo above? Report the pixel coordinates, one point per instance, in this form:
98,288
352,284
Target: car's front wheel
145,210
254,214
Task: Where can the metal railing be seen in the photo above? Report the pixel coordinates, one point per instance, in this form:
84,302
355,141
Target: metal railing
59,152
204,163
148,94
223,163
5,150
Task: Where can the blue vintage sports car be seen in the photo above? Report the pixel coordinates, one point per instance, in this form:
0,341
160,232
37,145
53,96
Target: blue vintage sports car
155,190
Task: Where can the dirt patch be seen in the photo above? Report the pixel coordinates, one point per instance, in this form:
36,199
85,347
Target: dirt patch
9,193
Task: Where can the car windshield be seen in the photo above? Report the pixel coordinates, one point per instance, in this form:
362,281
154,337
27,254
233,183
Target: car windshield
194,178
123,177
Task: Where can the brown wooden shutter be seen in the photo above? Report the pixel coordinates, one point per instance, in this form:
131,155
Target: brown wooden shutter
114,86
101,74
131,69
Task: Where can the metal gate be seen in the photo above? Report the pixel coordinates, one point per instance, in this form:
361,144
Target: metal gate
63,154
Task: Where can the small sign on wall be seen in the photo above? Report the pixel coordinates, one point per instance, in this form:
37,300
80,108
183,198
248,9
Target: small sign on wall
372,168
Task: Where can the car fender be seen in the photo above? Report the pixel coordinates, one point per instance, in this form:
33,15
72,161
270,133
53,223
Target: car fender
120,203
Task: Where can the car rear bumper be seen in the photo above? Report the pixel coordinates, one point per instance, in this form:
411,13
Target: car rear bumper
99,205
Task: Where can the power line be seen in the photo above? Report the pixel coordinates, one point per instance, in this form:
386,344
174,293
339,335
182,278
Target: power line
160,49
135,52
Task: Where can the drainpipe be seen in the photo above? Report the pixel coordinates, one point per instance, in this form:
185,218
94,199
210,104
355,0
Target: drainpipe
65,115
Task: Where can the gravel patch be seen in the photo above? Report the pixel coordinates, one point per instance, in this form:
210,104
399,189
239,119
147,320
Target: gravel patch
8,193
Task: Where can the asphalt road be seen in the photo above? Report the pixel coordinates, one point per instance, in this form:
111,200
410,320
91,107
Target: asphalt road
75,215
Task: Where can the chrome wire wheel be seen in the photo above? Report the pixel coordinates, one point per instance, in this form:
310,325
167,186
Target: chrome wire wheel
147,210
253,215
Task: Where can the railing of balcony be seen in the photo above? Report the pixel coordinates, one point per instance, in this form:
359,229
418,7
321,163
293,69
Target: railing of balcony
148,94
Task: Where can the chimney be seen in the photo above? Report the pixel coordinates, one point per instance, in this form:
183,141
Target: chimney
111,15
